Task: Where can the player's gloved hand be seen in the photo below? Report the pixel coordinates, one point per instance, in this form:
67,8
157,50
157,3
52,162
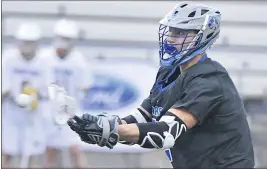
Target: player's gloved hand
34,97
29,101
101,129
83,136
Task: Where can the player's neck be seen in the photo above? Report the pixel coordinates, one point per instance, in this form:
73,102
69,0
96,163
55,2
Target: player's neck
191,63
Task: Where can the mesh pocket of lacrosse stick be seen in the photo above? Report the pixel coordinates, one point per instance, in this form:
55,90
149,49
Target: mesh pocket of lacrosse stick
65,110
64,106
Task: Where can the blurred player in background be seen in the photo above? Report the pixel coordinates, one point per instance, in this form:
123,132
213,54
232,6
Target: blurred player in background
24,72
71,71
194,111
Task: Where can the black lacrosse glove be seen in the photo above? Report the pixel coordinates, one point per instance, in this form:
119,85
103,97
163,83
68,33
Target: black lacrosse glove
84,137
101,129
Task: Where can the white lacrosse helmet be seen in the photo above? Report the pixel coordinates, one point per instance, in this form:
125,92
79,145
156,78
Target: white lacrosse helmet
28,32
66,28
66,33
28,35
186,17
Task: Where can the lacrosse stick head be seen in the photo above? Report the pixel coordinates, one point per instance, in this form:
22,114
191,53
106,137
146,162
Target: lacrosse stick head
52,91
63,106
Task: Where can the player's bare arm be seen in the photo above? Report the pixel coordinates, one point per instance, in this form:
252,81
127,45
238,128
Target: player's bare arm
130,132
189,119
155,135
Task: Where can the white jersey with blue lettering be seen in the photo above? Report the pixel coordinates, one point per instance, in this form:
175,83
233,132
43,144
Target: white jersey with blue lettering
24,76
22,126
74,74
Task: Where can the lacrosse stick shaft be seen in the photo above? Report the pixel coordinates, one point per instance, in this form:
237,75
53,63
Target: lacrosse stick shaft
25,155
28,143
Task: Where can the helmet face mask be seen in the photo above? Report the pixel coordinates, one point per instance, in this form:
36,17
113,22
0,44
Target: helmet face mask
66,34
63,45
186,31
28,35
64,42
28,48
174,41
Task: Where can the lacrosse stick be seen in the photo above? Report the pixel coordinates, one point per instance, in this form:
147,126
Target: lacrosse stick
25,155
63,106
28,145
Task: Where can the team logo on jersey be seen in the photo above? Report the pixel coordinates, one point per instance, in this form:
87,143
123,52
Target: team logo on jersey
109,93
156,111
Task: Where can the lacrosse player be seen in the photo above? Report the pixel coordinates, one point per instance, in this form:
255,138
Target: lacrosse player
196,116
24,72
70,71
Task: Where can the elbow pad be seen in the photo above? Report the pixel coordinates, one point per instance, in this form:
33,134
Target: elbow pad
162,134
